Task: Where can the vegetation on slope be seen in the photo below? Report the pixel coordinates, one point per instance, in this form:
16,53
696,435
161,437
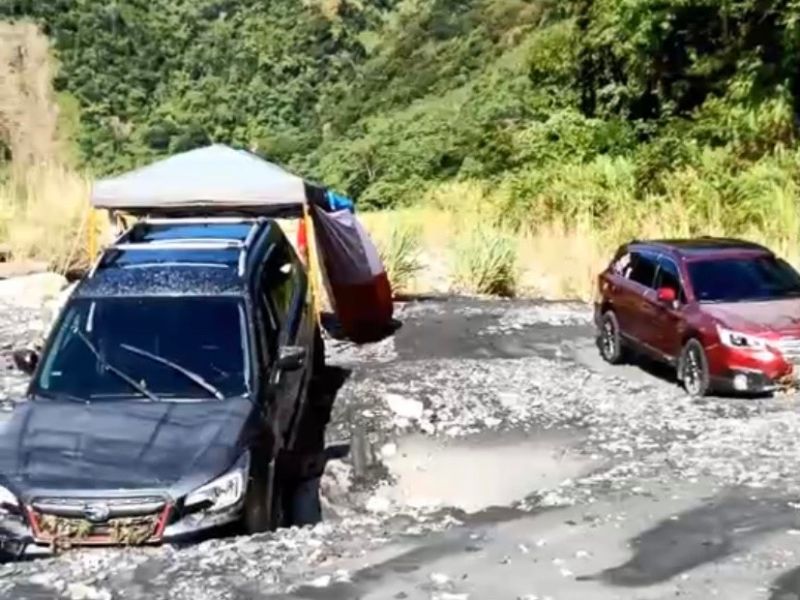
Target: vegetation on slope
609,118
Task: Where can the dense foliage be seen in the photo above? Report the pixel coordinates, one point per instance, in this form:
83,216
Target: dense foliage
558,107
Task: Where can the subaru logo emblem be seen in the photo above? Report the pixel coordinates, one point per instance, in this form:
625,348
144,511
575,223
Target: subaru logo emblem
96,513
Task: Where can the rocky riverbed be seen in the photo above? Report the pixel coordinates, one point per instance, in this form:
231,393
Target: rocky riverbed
493,455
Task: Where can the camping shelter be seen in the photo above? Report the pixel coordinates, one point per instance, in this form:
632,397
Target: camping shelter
217,181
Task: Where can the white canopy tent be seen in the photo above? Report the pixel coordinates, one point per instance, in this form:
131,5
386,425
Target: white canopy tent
219,181
216,178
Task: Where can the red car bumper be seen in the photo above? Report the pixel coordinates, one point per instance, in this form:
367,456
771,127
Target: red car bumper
749,370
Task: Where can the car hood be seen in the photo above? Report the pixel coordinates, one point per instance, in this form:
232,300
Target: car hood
56,447
777,316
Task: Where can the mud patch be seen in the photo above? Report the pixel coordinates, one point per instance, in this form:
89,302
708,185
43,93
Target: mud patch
478,472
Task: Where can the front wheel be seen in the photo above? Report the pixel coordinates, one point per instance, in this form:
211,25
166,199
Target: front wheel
263,503
693,369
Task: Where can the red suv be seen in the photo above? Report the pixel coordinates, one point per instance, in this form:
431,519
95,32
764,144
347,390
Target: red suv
725,313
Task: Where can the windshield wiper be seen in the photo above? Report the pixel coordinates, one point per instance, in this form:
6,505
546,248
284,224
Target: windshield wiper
182,370
131,382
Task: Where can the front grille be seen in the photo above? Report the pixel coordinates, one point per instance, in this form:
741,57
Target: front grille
117,507
82,521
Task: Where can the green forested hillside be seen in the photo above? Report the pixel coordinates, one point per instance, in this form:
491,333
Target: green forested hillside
555,107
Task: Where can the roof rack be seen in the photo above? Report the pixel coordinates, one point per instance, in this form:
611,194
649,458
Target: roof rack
132,239
198,220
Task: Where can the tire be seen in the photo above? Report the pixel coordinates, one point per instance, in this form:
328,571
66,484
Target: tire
609,339
693,369
263,503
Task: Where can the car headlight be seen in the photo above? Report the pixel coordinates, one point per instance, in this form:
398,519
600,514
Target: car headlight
735,339
224,491
7,500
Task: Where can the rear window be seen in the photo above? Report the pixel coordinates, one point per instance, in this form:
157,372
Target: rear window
743,279
643,269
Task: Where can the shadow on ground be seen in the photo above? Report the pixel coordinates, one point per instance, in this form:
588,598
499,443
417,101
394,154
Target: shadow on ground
724,526
787,586
369,579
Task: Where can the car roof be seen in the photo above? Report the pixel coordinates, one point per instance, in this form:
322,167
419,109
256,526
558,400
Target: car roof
182,257
703,246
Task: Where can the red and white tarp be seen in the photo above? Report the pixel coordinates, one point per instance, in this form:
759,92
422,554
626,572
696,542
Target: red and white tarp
354,275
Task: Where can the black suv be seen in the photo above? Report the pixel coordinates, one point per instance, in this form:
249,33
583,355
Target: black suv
173,382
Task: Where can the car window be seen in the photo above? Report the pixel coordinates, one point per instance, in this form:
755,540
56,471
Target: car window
153,341
743,279
621,264
279,284
668,277
643,268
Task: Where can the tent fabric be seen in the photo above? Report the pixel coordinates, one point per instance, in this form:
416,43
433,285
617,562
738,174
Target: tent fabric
218,180
356,281
215,176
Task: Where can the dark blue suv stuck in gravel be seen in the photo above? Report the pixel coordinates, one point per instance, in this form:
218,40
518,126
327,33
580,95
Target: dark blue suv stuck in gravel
170,392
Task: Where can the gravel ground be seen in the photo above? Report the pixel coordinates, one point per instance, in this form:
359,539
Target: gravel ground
670,488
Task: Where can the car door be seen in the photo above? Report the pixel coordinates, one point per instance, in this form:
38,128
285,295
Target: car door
632,295
668,318
284,289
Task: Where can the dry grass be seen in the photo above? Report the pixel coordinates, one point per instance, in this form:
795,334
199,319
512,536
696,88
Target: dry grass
452,242
43,216
557,259
28,111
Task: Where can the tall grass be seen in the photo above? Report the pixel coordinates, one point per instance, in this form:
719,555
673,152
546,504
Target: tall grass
485,261
544,234
566,223
44,215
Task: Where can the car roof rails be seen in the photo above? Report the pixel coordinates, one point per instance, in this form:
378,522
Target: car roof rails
186,234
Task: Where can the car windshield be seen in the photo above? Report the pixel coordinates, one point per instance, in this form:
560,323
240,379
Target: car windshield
149,348
743,279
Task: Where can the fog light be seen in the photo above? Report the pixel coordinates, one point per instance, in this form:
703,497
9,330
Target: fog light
740,383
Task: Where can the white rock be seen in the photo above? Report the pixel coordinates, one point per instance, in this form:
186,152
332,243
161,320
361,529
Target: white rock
80,591
378,504
388,450
341,576
321,582
404,407
439,578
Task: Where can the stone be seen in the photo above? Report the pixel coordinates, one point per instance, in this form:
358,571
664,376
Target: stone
404,407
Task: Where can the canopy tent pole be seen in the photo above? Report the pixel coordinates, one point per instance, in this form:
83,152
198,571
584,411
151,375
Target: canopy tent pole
313,265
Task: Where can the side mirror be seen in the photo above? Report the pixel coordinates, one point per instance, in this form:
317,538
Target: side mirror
26,360
666,295
291,358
